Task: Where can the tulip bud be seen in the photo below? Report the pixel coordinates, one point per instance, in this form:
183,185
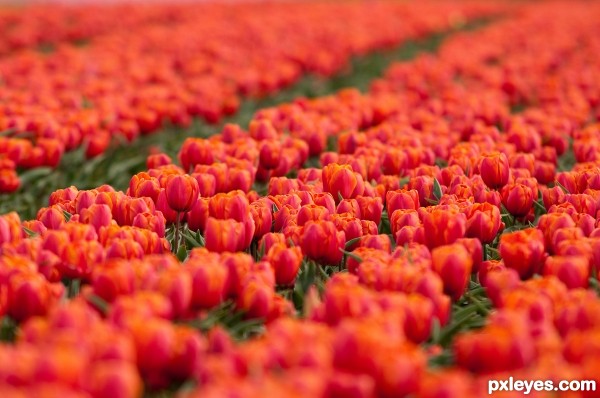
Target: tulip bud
349,206
113,278
370,208
285,262
552,222
573,271
270,154
177,287
224,235
97,216
51,217
484,222
523,251
29,294
256,299
311,213
321,242
209,283
342,181
207,185
233,205
494,169
198,214
402,199
475,249
517,198
114,379
263,218
163,206
443,227
453,263
181,192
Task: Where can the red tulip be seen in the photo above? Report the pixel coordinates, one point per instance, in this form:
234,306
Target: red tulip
494,169
454,264
181,192
523,251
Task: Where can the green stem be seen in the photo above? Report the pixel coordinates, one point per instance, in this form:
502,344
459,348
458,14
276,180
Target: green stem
176,239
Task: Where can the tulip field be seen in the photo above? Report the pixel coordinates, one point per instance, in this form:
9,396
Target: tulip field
329,199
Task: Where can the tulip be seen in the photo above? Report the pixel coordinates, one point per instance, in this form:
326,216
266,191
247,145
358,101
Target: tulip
142,184
224,235
443,227
370,208
484,222
324,199
233,205
552,222
454,264
349,206
220,171
424,186
282,186
379,242
113,278
29,294
410,234
9,181
311,213
320,241
209,283
270,154
114,379
342,182
523,251
517,198
187,353
154,342
495,348
181,192
157,160
285,263
352,227
207,185
10,228
403,217
196,151
240,179
573,271
401,199
256,299
494,169
197,216
263,219
51,217
475,249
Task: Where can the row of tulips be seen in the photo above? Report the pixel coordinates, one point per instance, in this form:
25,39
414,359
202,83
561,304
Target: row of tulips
436,191
171,63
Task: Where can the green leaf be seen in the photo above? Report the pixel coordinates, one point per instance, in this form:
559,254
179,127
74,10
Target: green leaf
352,255
74,288
99,303
30,176
8,329
565,190
437,189
340,197
403,181
29,232
67,215
352,241
182,253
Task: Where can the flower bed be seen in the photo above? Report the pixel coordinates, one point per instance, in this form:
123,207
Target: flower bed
447,234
